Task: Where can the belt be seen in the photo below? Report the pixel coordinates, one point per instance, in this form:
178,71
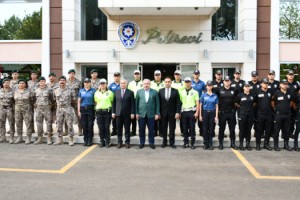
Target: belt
63,106
282,113
188,109
209,111
104,110
43,106
86,107
227,110
6,107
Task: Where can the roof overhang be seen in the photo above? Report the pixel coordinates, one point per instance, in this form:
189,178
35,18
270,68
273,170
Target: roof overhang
158,7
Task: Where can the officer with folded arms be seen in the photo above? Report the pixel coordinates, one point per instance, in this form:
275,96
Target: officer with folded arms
282,103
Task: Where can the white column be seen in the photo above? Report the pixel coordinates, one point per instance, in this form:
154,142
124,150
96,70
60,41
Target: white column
46,38
274,38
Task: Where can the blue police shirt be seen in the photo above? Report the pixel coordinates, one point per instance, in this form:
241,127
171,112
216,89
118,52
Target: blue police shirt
87,97
114,86
199,87
209,102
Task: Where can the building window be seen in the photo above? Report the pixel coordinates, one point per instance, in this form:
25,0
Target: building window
289,20
224,21
93,21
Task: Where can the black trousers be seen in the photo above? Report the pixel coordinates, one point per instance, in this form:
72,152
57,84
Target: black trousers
188,121
227,116
133,124
292,122
87,122
297,122
114,126
208,126
123,122
158,127
264,125
168,121
246,120
103,122
282,122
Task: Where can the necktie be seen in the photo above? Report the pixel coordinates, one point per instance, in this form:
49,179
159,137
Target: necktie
168,94
122,94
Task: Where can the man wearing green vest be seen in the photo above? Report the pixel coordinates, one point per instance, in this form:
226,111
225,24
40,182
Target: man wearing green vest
157,84
134,86
189,112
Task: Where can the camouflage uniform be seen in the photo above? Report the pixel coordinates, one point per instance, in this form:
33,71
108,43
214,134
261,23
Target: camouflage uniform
23,107
53,86
32,86
43,103
75,85
95,83
7,112
65,112
14,84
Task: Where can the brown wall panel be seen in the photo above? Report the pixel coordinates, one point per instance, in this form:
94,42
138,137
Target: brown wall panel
56,15
55,3
56,37
263,37
56,31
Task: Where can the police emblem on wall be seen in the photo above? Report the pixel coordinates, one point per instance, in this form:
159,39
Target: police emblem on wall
129,33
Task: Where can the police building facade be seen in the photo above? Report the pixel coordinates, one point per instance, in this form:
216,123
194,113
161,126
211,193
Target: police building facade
117,35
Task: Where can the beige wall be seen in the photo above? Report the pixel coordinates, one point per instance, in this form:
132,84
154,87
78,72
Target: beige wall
21,52
289,52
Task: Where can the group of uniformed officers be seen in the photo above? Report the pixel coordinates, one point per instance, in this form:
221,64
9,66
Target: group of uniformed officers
268,106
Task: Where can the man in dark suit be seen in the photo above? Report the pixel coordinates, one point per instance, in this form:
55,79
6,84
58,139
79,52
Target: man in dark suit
147,111
170,105
123,111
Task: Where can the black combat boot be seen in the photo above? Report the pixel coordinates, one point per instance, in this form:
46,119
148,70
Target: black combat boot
241,147
276,147
267,146
286,145
232,144
248,147
221,147
296,146
257,145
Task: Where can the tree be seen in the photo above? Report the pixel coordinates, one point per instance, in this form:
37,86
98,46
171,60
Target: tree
290,20
31,27
10,27
16,29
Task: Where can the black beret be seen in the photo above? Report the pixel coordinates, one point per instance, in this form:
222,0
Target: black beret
71,70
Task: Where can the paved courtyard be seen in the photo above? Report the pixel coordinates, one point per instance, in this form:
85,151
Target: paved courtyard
63,172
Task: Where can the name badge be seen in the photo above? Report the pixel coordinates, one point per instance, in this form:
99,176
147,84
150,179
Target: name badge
280,98
244,99
232,85
261,95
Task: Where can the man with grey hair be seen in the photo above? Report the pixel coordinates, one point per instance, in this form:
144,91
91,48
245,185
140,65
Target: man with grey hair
123,111
147,111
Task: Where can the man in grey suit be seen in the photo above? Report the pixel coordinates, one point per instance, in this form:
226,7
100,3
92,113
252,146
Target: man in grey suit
147,111
123,111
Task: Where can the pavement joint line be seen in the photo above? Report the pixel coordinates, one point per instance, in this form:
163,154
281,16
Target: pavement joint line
63,170
255,173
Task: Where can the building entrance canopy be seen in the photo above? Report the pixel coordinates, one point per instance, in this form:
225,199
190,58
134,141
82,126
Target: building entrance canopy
159,7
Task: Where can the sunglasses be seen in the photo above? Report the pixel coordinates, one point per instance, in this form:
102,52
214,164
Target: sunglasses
177,74
157,74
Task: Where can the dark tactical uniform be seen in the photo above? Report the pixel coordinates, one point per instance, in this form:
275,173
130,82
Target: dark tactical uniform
293,89
264,117
217,85
227,99
282,117
245,117
254,88
297,121
238,85
274,87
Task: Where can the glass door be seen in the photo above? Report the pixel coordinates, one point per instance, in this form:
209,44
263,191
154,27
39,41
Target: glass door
187,70
128,69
